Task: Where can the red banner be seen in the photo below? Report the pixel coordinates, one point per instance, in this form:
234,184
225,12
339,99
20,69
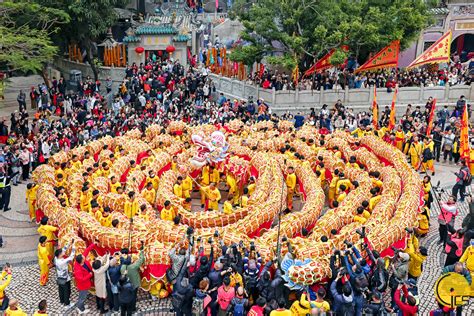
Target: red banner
324,62
464,138
386,58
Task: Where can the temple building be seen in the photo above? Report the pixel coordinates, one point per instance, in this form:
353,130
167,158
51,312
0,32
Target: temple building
457,15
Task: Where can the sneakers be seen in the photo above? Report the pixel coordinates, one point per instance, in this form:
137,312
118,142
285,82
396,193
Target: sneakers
84,312
71,305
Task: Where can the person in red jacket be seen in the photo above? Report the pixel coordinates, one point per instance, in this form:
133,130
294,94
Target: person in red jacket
84,276
259,307
409,308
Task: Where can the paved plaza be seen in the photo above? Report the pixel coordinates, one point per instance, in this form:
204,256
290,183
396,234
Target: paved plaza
20,242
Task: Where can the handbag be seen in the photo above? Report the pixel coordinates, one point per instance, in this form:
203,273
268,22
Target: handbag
61,281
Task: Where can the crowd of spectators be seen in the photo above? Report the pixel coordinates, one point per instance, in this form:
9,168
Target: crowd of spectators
453,74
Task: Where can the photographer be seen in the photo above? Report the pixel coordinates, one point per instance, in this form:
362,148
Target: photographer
399,269
358,280
447,216
343,302
205,263
454,246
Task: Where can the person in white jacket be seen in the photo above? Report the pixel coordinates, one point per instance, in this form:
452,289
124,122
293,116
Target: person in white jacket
100,266
62,273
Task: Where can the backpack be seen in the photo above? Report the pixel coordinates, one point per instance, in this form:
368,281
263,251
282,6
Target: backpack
198,306
381,311
347,309
467,179
239,308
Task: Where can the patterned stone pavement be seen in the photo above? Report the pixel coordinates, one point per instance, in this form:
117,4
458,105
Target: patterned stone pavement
434,264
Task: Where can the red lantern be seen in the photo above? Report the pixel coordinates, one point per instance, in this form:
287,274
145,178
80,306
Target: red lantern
170,49
139,50
160,53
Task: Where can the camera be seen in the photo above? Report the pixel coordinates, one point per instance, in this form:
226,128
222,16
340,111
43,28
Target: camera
216,234
348,244
189,231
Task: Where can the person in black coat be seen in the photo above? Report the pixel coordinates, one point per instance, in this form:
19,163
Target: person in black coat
126,296
204,269
182,296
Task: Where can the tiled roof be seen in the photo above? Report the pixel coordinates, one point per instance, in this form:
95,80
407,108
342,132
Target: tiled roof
131,39
155,29
181,38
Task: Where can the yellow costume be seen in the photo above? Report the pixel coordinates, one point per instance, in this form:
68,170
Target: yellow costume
155,181
415,152
213,197
215,176
251,187
228,208
399,139
167,214
149,195
187,186
373,202
48,231
43,261
114,186
31,199
290,185
86,201
429,164
205,175
244,200
5,279
233,189
332,188
130,208
178,190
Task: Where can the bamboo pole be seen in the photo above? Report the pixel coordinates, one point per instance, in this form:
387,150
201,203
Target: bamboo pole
124,57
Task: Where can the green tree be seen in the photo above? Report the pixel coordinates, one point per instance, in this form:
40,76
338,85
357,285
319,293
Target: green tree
25,35
90,20
309,29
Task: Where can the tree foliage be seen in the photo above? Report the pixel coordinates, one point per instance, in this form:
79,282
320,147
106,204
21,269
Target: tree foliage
90,20
25,30
307,29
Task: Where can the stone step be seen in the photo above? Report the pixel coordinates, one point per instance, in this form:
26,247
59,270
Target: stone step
20,221
18,232
19,257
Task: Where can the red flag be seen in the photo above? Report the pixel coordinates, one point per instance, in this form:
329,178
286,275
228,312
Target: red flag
375,110
391,125
324,63
386,58
464,137
431,118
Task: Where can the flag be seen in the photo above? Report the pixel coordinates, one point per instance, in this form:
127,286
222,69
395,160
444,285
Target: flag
386,58
464,137
431,118
324,63
375,110
436,53
295,75
391,125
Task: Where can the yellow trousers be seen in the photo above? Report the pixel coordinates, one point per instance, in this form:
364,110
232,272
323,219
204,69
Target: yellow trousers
415,162
429,165
213,205
31,209
44,273
331,194
289,198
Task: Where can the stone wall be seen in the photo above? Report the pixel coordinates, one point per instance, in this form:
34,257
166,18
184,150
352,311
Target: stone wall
115,73
359,99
